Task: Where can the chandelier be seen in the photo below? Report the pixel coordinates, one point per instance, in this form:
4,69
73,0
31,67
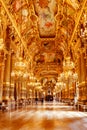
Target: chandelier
33,82
68,64
68,71
60,85
20,69
68,75
20,66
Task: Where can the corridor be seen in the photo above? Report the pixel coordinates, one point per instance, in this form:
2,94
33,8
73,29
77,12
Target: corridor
49,116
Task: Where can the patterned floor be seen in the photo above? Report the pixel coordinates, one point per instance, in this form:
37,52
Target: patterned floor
49,116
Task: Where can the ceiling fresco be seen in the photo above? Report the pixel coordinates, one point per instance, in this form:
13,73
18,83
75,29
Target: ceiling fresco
45,28
46,11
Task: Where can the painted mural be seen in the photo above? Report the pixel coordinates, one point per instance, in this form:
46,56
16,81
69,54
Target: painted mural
46,17
47,58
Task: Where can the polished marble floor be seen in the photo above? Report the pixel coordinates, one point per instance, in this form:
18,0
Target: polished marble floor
49,116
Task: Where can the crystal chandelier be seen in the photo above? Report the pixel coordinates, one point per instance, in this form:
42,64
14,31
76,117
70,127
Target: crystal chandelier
68,64
60,85
20,66
20,69
33,82
68,75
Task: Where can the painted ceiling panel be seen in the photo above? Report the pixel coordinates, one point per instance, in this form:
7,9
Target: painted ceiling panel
46,17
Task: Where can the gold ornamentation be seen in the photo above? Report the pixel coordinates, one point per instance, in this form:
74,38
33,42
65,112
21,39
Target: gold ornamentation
43,3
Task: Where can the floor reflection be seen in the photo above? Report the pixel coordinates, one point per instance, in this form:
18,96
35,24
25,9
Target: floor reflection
49,116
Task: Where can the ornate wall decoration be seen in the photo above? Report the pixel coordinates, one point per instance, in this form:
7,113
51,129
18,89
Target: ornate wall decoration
43,4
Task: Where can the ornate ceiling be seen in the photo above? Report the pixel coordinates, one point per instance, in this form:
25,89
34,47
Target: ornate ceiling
46,29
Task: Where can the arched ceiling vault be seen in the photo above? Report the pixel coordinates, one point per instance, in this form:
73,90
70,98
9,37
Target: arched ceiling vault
45,28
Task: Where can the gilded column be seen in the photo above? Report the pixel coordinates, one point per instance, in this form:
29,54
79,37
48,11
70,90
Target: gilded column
79,68
19,90
1,76
7,69
79,76
12,90
23,90
16,93
6,83
71,90
85,90
37,93
12,86
30,94
33,93
67,91
83,69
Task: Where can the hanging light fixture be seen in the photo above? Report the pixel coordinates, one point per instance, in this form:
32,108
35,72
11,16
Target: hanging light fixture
20,68
68,64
